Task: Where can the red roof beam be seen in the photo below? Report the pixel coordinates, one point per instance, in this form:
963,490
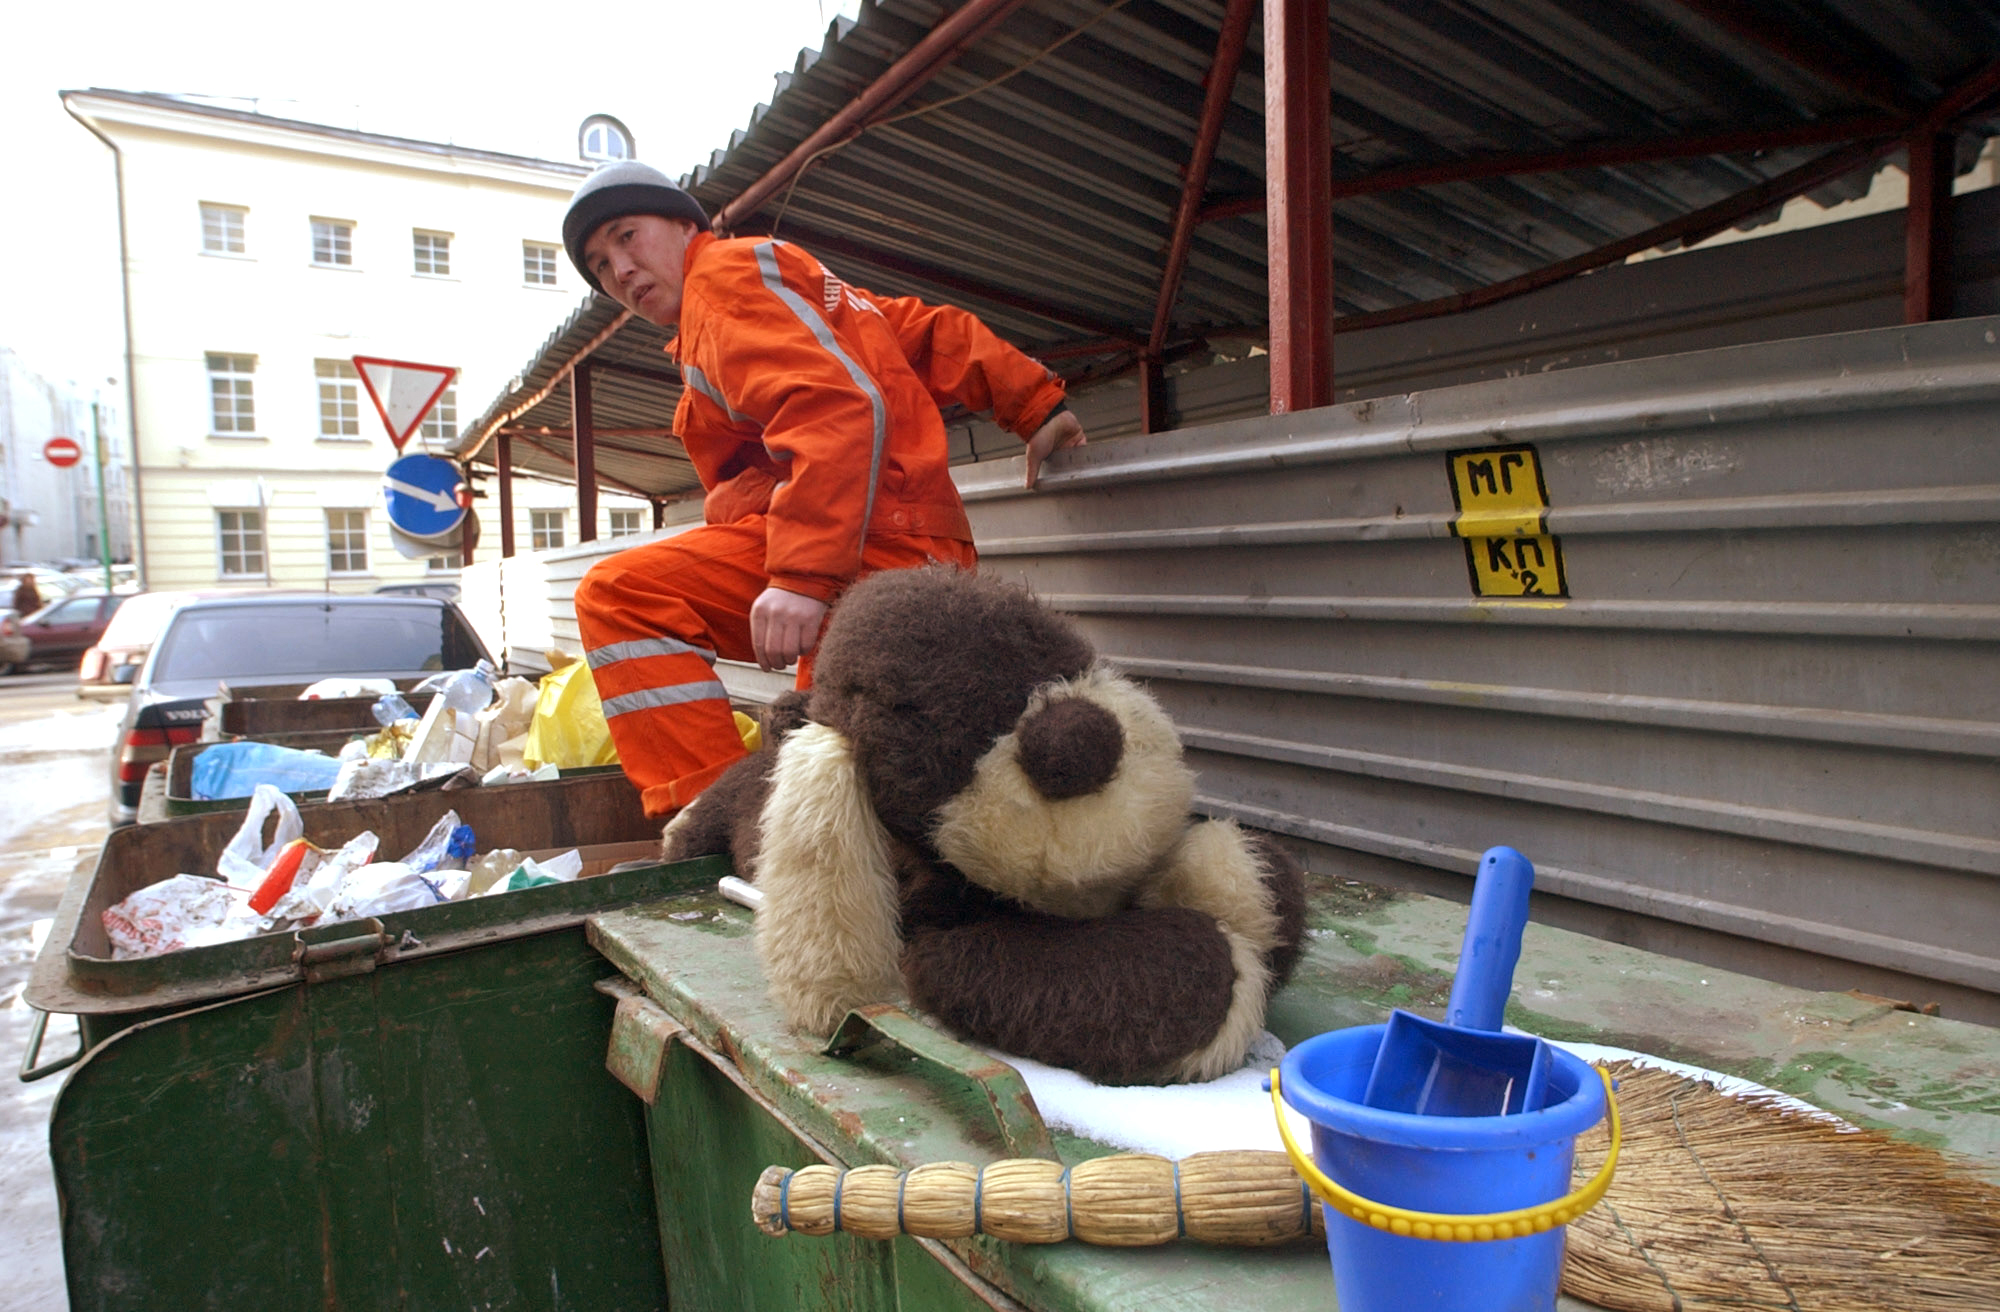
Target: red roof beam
897,83
1607,154
1221,81
1689,227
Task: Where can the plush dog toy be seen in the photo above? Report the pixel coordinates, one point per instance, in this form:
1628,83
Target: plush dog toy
969,807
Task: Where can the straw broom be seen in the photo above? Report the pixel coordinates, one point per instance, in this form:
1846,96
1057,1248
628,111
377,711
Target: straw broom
1730,1202
1720,1202
1130,1200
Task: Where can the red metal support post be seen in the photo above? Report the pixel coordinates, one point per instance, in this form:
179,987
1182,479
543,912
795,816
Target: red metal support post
585,440
1927,228
1298,182
504,473
1221,82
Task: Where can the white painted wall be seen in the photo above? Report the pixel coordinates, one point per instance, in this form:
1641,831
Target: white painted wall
274,303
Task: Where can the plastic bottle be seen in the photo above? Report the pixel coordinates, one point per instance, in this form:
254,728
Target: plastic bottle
494,867
469,692
392,708
449,728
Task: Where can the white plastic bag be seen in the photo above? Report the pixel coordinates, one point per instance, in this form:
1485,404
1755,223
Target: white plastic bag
349,687
306,902
390,886
187,911
245,860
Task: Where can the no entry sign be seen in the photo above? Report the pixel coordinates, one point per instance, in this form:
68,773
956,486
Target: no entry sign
62,452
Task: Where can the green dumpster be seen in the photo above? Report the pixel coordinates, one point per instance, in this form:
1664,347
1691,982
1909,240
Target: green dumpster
728,1091
410,1111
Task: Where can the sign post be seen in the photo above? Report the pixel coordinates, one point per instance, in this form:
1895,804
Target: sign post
403,392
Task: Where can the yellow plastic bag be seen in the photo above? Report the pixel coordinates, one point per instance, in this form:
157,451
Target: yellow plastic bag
568,731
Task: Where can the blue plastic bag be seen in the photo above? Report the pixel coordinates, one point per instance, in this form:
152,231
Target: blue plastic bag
235,769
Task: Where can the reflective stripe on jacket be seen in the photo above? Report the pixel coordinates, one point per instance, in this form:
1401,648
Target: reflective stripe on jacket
817,402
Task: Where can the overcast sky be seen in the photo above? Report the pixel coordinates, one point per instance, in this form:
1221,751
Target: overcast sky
499,75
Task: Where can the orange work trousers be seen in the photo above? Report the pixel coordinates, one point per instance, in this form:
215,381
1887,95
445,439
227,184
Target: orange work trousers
655,618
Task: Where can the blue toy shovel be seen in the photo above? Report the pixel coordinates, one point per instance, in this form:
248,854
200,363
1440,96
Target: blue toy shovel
1465,1066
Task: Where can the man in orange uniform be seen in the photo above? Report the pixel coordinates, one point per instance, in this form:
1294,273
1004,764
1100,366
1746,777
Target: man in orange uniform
810,412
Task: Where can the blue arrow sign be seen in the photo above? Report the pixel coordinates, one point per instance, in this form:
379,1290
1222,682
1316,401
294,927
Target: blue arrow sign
424,495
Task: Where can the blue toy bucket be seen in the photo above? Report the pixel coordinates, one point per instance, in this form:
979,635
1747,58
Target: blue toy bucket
1422,1184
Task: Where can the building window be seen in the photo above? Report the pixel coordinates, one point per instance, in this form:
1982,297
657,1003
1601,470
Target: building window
241,534
339,400
440,564
624,523
433,252
222,229
538,264
333,242
603,138
545,529
230,406
347,541
441,424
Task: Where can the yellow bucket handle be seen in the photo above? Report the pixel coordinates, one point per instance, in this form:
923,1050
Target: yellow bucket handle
1439,1225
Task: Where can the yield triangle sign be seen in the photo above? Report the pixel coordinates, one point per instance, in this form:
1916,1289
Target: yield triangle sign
403,392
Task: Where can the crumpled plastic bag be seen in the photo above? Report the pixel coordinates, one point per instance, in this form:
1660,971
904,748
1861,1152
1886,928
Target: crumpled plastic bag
244,862
235,769
187,911
304,903
530,873
568,731
373,777
348,687
385,887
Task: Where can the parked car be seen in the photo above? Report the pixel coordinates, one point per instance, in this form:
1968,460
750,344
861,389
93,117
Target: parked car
265,639
13,642
108,668
59,632
442,590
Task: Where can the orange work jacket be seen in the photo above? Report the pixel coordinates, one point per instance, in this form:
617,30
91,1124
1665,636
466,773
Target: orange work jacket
816,403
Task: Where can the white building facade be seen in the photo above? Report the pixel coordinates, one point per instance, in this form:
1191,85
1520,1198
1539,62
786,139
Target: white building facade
260,256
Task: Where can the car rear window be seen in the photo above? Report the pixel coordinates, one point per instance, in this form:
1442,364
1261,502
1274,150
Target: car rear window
312,639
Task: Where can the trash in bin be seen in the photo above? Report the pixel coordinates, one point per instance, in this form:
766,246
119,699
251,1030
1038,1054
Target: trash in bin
327,689
187,911
292,884
235,769
534,874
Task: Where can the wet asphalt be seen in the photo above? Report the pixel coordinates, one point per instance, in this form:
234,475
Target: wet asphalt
54,787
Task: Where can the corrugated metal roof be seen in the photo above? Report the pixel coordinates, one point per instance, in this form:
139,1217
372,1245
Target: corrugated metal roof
1045,160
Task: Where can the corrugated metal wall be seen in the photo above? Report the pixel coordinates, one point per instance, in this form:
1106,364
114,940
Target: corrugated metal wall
1841,277
1761,727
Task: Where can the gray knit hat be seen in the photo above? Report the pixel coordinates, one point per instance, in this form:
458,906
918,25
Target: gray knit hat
616,190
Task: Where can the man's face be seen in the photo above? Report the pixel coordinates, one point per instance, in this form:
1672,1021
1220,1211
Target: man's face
638,260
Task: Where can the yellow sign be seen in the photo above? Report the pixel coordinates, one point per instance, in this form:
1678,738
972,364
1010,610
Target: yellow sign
1502,514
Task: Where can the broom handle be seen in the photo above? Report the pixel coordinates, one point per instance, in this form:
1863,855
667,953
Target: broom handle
1128,1200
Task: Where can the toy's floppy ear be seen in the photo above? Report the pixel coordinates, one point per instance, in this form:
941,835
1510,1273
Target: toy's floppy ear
827,933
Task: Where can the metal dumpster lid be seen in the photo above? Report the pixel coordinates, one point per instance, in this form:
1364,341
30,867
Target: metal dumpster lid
693,956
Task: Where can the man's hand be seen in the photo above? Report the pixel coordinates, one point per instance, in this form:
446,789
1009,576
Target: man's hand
1062,431
784,626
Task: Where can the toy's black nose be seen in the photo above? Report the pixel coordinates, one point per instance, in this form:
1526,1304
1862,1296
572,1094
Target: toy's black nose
1070,748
